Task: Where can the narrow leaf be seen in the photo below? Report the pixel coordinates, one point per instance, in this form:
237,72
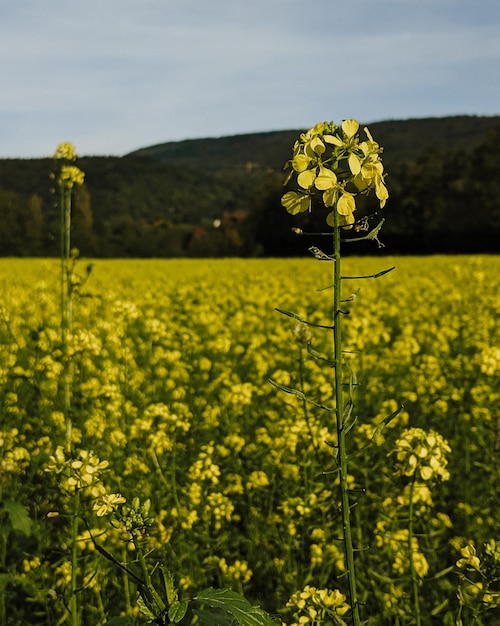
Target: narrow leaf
300,395
319,356
371,235
383,422
380,426
300,319
168,583
377,275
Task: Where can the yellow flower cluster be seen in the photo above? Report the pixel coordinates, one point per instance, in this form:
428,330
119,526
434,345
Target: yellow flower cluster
317,607
332,160
398,544
422,455
469,559
480,576
81,471
238,572
69,176
14,458
108,503
257,479
65,151
219,508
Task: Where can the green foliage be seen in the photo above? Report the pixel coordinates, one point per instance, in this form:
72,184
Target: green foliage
18,517
233,608
162,201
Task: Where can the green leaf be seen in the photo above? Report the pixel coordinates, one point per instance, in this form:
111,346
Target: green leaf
168,583
177,610
214,617
19,518
144,609
236,605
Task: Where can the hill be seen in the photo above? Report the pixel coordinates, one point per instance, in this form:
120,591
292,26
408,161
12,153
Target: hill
403,140
221,196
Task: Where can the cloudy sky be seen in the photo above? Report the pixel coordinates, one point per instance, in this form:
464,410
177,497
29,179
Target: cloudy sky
112,76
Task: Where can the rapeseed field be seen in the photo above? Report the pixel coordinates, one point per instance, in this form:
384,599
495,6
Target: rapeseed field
164,379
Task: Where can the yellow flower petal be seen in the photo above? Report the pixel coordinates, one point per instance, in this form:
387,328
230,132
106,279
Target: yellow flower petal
300,162
330,196
354,164
350,127
295,202
346,204
332,139
381,192
306,179
325,179
317,146
426,472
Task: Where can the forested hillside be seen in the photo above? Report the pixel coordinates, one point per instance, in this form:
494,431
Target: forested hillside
221,196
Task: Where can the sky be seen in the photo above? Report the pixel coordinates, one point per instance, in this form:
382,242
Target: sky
113,76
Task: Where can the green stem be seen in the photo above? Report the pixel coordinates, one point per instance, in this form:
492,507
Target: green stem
73,602
414,578
126,583
4,541
146,576
66,304
341,433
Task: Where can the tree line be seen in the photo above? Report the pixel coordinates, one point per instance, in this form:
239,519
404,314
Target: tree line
442,200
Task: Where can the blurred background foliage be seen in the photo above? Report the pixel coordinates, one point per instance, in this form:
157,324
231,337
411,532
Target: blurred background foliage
220,197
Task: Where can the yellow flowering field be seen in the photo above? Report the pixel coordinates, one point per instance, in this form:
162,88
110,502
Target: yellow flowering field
173,418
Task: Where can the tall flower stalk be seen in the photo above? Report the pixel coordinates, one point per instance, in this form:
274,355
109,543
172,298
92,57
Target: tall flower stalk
67,177
421,458
331,164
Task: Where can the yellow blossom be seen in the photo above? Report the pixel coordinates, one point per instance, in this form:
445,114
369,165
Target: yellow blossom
108,503
66,151
317,163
